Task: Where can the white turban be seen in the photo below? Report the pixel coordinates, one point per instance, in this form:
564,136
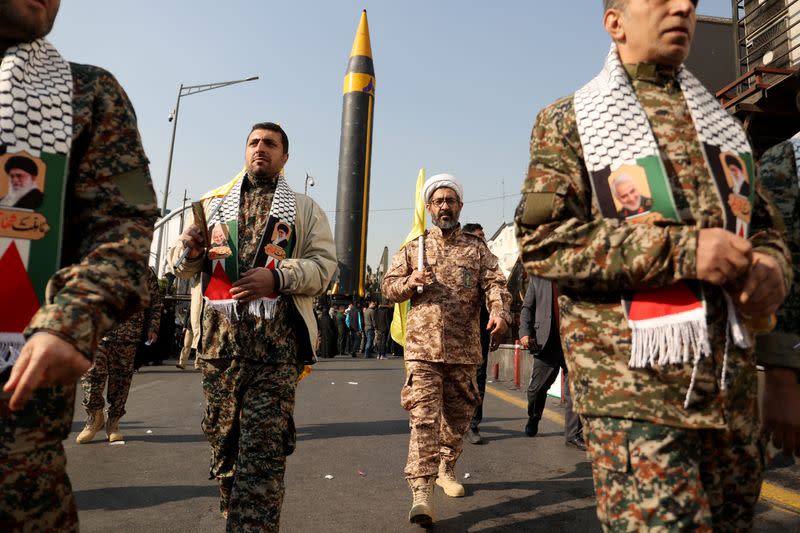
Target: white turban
442,180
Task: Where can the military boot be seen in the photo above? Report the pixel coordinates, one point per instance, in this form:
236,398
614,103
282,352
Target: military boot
447,480
94,423
112,429
422,505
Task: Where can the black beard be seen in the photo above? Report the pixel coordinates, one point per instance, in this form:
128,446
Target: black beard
445,225
262,177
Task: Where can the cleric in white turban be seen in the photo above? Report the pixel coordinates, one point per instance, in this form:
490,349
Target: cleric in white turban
442,180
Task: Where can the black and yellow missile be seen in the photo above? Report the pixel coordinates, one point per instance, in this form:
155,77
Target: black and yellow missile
355,151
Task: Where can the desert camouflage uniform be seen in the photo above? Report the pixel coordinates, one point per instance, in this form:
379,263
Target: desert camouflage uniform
563,237
113,360
109,213
443,346
780,175
250,366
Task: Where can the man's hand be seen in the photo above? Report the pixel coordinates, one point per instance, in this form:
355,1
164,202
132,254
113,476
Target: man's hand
152,337
254,284
420,278
722,257
192,238
525,342
782,410
496,327
763,291
45,360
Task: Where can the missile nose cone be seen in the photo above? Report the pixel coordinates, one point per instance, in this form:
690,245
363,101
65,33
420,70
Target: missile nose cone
361,44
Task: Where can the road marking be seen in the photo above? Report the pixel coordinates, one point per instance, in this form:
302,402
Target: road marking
774,495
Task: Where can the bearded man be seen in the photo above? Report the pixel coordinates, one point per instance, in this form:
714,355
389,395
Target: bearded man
669,407
257,324
76,266
443,346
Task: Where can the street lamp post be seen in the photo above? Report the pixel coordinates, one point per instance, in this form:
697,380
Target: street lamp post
309,182
184,90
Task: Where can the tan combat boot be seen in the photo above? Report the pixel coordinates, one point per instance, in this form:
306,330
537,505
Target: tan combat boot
112,430
94,423
422,505
447,480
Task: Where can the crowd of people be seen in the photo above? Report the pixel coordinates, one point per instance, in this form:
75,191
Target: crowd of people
655,252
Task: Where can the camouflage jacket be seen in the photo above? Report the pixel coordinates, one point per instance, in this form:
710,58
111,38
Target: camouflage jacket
443,322
110,209
563,237
780,175
142,322
290,336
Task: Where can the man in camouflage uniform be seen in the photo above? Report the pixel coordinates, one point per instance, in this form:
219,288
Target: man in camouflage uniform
108,225
780,174
250,366
113,363
443,348
656,463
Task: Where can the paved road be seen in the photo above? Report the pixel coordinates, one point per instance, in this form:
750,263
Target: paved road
350,426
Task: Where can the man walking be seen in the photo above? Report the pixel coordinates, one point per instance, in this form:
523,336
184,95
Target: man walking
669,407
779,350
112,367
473,435
78,270
442,339
369,329
251,364
538,331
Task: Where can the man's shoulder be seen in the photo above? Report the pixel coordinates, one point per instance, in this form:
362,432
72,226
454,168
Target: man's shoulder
91,78
560,112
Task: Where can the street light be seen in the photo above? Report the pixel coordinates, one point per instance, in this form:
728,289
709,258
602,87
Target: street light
184,90
309,182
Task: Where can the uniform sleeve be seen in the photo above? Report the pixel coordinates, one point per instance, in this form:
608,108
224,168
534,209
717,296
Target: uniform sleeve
153,311
493,284
775,228
562,237
395,282
778,175
109,215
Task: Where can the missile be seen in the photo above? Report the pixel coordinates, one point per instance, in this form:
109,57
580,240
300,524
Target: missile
355,151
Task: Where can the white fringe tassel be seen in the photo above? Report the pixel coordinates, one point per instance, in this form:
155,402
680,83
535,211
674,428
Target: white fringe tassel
263,308
10,346
675,343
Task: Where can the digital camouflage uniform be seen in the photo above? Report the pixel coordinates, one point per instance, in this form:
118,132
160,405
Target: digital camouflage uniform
110,209
250,369
780,176
562,236
113,360
443,343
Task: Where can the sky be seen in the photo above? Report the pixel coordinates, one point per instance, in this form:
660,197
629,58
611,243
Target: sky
459,84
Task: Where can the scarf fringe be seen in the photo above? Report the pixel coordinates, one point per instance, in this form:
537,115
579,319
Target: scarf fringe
671,343
10,346
263,308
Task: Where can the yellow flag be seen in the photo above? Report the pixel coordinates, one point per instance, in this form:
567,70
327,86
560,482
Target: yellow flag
398,328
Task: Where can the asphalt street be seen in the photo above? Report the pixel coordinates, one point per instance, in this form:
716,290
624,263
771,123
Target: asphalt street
347,472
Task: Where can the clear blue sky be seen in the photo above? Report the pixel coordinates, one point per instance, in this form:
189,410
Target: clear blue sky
459,84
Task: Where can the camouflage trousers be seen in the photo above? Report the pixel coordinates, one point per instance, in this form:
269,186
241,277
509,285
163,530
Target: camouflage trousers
35,492
650,477
249,425
440,399
113,363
